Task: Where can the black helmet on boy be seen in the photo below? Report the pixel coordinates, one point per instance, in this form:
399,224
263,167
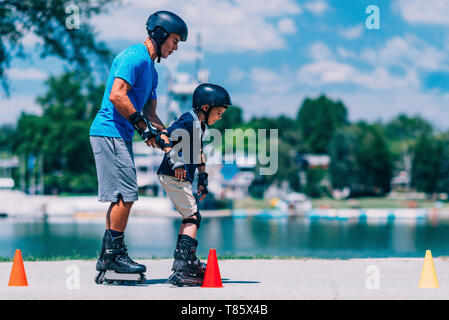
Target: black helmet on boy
212,95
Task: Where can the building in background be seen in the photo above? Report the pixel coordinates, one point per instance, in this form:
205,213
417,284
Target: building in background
180,86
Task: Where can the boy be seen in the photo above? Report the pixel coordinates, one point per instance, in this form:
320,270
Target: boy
176,175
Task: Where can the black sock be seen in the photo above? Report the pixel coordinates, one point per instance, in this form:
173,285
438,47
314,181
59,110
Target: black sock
116,234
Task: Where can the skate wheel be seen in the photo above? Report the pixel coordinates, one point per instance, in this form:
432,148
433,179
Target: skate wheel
142,279
99,279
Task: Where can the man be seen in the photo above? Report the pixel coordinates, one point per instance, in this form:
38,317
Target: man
129,103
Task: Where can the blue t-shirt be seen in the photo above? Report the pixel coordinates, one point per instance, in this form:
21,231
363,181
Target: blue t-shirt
189,122
134,65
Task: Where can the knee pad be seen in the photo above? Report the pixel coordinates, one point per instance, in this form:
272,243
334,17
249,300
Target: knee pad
196,221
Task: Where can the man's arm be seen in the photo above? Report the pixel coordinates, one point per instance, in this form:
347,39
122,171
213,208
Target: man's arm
149,112
120,100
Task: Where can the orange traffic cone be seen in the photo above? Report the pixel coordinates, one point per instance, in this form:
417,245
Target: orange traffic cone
18,276
212,278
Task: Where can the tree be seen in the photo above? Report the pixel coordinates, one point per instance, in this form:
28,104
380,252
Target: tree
443,174
426,164
318,119
343,166
374,162
7,133
232,118
407,128
361,160
61,134
47,19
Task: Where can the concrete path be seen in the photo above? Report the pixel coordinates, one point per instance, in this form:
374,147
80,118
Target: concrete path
242,279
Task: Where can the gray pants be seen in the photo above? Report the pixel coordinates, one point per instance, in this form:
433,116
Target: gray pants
180,193
116,172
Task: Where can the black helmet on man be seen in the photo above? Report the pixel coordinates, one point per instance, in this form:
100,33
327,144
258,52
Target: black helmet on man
161,23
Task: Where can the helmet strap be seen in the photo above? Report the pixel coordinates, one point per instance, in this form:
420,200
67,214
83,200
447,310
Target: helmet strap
206,115
159,35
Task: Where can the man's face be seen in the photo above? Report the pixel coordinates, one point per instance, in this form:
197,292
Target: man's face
215,115
170,45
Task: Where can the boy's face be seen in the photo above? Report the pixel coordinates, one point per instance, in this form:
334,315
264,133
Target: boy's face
170,45
215,115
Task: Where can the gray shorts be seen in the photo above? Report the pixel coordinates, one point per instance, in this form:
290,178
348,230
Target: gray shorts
116,172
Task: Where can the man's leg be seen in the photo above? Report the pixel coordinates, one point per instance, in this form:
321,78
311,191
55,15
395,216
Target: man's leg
116,220
117,216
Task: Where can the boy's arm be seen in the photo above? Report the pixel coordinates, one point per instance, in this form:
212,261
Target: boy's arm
202,177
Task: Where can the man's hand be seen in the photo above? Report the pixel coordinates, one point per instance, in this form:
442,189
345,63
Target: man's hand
152,143
143,127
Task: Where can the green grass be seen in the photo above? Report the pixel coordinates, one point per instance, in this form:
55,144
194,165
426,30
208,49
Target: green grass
373,203
250,203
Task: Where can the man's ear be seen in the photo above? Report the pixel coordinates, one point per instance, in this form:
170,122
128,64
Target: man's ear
205,107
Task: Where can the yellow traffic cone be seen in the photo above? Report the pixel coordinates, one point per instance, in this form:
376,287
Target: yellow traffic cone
428,275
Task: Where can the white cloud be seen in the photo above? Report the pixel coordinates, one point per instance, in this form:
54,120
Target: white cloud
325,71
236,74
286,26
11,108
345,54
264,76
370,106
225,26
434,12
30,40
316,7
319,51
26,74
332,72
272,104
268,81
409,52
354,32
272,8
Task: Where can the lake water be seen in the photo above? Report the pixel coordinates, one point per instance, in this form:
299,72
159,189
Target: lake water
289,236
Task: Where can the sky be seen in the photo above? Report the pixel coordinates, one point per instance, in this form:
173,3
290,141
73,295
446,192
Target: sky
273,54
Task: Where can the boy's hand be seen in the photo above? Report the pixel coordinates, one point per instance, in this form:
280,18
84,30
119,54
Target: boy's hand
180,173
202,190
202,184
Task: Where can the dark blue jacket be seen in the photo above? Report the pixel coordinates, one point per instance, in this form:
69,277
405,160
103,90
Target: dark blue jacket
189,122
